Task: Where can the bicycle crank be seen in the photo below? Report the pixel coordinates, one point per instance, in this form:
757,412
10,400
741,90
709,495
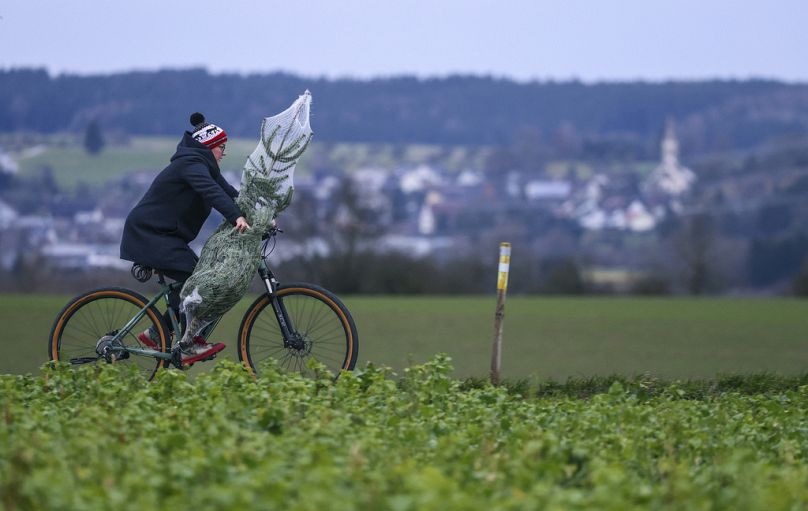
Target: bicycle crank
111,349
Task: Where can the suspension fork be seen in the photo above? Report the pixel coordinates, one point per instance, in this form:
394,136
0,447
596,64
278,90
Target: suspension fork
290,340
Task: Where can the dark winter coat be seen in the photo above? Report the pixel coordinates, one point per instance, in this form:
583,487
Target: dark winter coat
170,215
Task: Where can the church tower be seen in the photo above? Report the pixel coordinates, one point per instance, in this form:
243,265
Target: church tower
670,177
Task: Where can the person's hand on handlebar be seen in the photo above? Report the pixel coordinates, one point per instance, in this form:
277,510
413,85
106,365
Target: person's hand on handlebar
272,230
241,224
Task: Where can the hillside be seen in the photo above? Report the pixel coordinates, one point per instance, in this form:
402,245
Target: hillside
464,110
72,164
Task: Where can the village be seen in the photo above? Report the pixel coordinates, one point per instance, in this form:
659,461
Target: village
422,210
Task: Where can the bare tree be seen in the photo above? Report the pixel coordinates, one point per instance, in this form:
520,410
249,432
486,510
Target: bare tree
695,245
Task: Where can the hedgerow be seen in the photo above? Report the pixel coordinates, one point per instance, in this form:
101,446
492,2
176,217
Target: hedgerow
103,438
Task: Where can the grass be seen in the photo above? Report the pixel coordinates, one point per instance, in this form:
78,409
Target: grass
556,338
72,165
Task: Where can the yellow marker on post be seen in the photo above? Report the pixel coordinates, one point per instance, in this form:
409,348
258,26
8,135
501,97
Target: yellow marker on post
504,266
499,316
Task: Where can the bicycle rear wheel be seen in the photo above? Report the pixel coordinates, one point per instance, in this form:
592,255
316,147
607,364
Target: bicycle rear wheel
89,317
323,330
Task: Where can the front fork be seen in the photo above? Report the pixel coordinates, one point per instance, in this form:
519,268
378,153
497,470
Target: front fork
290,337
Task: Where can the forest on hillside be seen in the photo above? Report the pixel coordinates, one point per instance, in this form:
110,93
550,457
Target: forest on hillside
598,120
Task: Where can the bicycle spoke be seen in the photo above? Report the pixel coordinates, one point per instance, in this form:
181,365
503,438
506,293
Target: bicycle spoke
315,319
93,319
316,331
270,351
91,334
116,319
107,315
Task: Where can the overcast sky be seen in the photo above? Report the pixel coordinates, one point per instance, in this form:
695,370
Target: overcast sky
586,39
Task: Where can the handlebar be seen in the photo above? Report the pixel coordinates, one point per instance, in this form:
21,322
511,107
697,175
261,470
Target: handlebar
271,233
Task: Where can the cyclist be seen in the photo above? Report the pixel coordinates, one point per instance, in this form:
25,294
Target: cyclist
171,213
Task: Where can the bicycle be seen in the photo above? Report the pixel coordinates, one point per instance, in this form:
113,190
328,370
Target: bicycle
290,322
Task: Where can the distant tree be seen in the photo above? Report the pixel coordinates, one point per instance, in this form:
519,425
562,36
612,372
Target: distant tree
775,260
800,284
47,181
798,187
653,284
562,276
93,139
695,245
352,226
774,218
6,180
465,110
398,273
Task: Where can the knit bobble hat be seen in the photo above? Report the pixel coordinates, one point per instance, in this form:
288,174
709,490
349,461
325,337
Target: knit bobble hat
207,133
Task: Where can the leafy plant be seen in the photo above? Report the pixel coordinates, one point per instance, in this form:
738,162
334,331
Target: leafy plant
102,438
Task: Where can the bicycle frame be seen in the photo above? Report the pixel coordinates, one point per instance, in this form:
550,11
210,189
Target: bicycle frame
165,290
267,277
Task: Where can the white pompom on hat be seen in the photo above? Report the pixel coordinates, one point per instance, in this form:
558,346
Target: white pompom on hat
207,133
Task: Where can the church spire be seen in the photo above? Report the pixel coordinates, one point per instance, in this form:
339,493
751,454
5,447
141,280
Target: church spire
670,176
670,145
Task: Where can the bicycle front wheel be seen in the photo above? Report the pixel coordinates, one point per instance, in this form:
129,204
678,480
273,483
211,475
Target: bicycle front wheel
322,328
91,317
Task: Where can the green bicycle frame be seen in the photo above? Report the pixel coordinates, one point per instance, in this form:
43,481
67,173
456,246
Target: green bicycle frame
165,290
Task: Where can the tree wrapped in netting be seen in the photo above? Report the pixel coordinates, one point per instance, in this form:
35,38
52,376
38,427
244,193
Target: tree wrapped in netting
230,259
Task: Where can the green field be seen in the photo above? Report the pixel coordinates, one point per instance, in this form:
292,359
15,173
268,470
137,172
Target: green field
72,165
101,437
544,337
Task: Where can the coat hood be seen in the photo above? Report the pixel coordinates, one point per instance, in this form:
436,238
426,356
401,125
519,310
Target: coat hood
190,148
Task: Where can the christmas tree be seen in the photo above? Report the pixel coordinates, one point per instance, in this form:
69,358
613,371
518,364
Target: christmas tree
230,259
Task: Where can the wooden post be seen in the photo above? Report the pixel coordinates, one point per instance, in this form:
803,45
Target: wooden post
499,316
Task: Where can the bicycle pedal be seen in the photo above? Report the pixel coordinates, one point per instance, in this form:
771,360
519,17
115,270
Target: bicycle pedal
197,358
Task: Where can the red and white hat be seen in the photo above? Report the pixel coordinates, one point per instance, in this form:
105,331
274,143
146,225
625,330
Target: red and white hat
207,133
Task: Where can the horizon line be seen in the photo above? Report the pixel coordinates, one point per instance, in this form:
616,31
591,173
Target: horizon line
54,73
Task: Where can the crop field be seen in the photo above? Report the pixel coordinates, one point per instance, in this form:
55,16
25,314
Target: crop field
429,432
544,337
103,438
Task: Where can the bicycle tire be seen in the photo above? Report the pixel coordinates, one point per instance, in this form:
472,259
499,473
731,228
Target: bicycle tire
326,324
92,315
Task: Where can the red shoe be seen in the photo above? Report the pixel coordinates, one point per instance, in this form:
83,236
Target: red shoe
147,341
200,351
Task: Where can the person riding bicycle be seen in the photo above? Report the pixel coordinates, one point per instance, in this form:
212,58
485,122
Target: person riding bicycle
171,214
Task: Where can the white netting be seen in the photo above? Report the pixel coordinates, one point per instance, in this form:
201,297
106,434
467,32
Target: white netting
284,137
